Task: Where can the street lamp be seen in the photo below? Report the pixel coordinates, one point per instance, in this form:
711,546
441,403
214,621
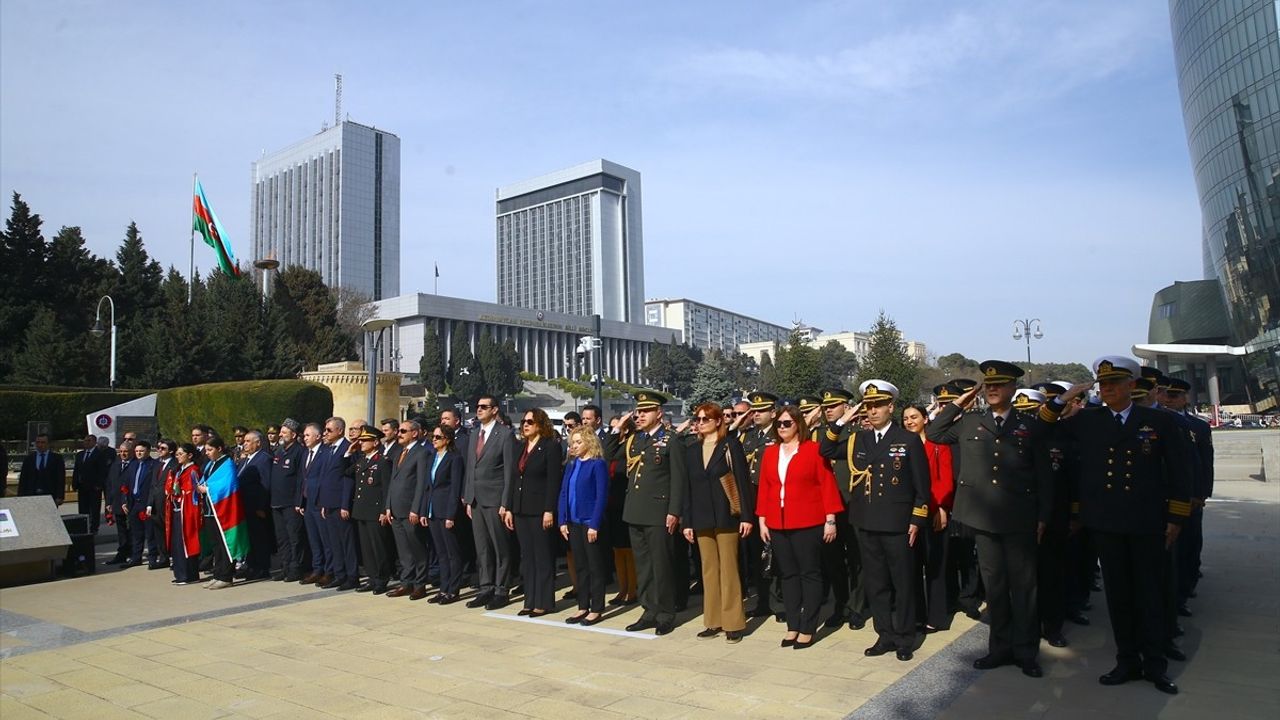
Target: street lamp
98,330
1027,329
374,327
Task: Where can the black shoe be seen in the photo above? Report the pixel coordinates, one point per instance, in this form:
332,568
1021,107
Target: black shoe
788,642
524,611
664,628
1184,611
1097,586
1174,653
1056,639
480,600
733,636
707,633
1031,669
157,566
904,654
587,621
641,625
973,614
1086,606
571,595
130,564
877,650
292,578
834,621
367,587
1178,631
760,611
987,662
447,599
114,561
857,622
379,589
800,645
575,619
1163,684
1078,618
333,584
1120,676
780,617
496,603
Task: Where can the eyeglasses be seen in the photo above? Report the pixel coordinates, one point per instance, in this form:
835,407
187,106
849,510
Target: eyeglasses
402,431
730,414
528,421
702,419
786,423
332,430
484,406
437,437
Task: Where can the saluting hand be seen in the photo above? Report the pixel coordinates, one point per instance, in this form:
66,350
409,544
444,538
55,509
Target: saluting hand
1075,391
811,417
967,398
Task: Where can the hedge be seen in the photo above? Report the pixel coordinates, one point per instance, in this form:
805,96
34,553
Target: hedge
63,408
252,403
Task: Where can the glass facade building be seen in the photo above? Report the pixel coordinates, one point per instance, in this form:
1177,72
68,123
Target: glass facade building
570,242
331,203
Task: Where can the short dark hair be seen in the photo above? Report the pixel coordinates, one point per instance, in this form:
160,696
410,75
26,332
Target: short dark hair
390,421
571,415
492,400
142,443
239,429
216,442
169,443
593,408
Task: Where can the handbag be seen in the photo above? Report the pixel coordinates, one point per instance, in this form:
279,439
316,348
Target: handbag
730,485
766,559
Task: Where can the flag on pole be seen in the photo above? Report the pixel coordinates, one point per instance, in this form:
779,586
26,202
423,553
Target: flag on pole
205,222
228,508
437,269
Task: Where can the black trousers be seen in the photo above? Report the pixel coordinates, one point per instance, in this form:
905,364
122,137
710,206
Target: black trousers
835,567
1051,573
124,545
754,577
448,554
341,538
223,568
262,542
89,502
798,555
680,567
1007,562
377,548
156,549
537,562
137,536
651,545
889,570
1081,564
291,542
591,560
1133,569
962,562
412,551
940,588
1189,545
318,541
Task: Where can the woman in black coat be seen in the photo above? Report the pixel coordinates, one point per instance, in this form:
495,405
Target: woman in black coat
440,503
531,507
713,461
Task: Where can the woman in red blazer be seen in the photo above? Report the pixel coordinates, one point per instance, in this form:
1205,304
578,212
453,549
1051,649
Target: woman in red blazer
797,502
937,594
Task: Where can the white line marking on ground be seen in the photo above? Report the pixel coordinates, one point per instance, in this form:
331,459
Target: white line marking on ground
566,626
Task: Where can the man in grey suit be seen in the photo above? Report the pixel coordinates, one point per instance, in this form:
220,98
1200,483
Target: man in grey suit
408,478
490,475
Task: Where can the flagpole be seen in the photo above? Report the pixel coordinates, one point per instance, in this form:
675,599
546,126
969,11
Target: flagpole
435,290
191,273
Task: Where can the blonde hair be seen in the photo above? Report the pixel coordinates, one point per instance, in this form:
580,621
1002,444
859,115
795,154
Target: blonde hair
591,443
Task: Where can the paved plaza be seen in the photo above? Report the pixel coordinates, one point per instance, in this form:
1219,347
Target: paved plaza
128,644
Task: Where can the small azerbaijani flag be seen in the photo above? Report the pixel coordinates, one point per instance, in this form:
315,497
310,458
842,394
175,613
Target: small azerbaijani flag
228,510
205,222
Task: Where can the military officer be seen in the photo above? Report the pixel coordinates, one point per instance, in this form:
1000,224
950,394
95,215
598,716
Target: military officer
1135,492
655,487
1053,456
760,436
371,473
841,562
1191,539
1003,499
810,405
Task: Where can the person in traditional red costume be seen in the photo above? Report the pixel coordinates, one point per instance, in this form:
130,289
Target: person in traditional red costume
182,517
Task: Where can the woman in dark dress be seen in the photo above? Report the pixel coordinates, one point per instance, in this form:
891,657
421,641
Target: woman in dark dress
530,510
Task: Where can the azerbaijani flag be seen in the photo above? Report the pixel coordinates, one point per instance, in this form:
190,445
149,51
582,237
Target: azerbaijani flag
228,510
205,222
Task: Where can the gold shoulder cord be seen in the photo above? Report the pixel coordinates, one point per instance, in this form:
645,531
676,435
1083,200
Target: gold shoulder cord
855,475
633,461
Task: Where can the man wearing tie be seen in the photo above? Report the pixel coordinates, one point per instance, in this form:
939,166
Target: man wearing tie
287,473
490,475
136,501
309,508
404,493
87,476
43,472
119,478
255,479
334,491
164,464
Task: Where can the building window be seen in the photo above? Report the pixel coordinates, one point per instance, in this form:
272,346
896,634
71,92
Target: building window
1167,310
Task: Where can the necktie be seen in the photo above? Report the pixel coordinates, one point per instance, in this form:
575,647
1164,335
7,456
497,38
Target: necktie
480,443
137,480
999,423
40,462
879,434
1119,420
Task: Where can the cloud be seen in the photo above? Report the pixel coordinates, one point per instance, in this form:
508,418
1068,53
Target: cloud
1007,51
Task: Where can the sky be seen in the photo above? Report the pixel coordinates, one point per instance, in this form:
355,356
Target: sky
957,165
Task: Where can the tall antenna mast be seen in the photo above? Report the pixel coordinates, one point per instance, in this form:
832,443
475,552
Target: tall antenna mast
337,100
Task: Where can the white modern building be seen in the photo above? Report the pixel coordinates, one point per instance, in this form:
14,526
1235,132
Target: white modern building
545,340
858,343
571,242
711,328
331,203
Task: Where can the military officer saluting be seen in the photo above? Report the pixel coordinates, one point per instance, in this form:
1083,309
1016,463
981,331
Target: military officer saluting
758,437
1003,499
841,563
1135,491
655,493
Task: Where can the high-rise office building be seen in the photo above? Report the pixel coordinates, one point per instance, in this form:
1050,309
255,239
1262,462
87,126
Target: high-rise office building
331,203
711,328
570,242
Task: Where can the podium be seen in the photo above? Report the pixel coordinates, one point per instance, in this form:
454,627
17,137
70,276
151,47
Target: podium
32,539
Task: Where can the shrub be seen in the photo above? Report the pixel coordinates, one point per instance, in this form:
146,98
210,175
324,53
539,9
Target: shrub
252,403
64,408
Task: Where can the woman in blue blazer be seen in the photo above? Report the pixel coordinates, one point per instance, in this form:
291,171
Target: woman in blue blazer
583,497
439,505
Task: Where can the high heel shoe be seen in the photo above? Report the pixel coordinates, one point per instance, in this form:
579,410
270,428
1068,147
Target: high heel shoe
802,644
788,642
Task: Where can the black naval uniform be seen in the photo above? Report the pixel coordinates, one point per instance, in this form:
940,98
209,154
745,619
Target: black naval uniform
1057,458
1133,482
1191,539
754,442
1001,497
845,573
890,492
655,489
372,475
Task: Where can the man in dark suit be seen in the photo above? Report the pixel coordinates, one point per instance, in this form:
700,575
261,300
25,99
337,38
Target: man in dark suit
287,523
308,506
116,490
404,493
335,490
88,473
164,464
255,491
489,475
137,498
1135,496
655,495
43,472
1003,497
390,442
889,512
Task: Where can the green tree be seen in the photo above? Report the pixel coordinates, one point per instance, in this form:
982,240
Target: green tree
489,358
135,288
232,325
672,366
308,315
170,338
431,367
887,359
509,381
768,375
23,255
743,370
798,370
713,381
839,366
42,360
468,383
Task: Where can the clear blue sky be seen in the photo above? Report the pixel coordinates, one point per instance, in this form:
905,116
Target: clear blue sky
958,164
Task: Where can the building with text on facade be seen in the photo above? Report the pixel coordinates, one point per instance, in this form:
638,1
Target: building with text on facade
331,203
858,343
710,328
546,341
571,242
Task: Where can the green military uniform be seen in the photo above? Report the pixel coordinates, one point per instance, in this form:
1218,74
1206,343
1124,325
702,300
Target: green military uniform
754,442
841,560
